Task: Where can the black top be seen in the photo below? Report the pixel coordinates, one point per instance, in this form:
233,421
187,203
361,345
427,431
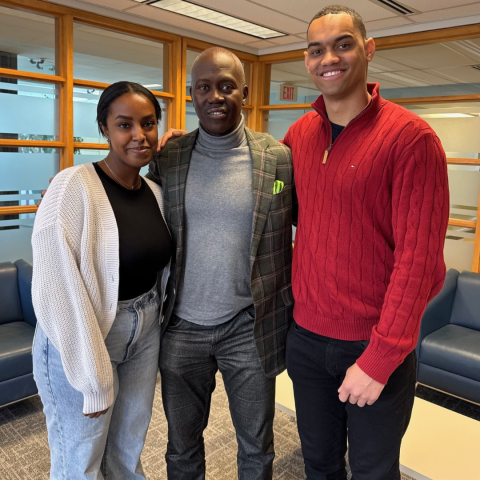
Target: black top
145,243
336,130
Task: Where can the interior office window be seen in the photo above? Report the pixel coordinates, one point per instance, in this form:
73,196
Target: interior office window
439,69
24,173
27,42
290,83
105,56
277,122
191,56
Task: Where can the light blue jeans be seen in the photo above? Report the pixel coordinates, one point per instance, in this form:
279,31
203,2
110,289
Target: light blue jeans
108,447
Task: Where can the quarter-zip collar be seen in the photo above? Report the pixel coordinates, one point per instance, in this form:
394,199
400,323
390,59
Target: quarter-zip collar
374,105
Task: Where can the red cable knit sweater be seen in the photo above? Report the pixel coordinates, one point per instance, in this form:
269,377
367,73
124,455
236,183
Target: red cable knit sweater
371,227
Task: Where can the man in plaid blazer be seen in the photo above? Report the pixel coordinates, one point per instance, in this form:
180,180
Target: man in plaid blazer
248,346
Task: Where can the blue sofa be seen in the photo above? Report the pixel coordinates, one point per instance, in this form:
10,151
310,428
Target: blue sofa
448,348
17,328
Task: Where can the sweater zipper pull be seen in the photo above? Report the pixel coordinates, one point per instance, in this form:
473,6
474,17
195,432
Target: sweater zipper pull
325,156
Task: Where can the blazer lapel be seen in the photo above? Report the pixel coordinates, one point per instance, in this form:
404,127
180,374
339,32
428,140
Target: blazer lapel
264,172
177,172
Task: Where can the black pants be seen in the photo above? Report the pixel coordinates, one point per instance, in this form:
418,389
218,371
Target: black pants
317,366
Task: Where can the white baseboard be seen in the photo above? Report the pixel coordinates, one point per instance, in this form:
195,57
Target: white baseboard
413,474
285,410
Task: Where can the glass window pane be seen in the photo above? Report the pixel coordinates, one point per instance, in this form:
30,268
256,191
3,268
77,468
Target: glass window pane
105,56
27,42
290,80
464,185
191,56
456,124
84,155
277,123
15,237
85,127
446,68
459,244
28,110
24,173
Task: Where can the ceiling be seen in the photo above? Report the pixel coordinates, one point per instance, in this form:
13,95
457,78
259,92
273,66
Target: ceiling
290,17
105,56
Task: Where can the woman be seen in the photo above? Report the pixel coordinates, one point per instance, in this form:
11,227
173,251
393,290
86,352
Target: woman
101,252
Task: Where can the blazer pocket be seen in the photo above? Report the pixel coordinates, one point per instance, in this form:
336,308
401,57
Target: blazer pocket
287,295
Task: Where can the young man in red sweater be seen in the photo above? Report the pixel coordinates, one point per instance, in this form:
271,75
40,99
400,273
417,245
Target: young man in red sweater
371,181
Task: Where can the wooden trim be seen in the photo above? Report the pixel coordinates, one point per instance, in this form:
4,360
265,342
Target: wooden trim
199,46
177,77
31,143
37,77
91,146
77,82
188,98
446,99
247,107
255,119
17,210
64,66
455,222
293,106
463,161
282,57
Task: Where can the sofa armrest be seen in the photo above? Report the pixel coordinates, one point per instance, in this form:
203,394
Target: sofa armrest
25,288
438,311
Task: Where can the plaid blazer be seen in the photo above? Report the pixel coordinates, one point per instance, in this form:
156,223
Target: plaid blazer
271,246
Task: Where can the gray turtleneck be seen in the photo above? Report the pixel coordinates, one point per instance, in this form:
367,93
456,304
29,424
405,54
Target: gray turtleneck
218,221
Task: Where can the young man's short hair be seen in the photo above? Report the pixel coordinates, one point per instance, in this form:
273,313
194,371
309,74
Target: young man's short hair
339,9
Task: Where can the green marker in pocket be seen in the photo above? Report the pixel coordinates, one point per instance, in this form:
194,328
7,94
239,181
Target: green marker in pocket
278,186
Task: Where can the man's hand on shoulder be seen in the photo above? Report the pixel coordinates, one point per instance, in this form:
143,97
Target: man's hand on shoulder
358,388
171,133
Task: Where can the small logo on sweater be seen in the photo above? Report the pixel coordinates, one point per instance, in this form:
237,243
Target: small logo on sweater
278,186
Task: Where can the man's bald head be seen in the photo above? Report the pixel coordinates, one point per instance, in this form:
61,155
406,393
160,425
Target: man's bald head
210,55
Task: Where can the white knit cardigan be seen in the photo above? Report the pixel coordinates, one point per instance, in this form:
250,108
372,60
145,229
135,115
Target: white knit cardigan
76,278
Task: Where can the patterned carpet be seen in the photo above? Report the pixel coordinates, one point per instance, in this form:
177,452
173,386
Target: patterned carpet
24,453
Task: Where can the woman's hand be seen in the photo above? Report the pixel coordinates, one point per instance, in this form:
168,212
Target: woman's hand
96,414
171,133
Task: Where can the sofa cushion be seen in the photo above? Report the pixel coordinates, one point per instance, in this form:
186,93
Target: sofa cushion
16,340
453,349
466,306
10,305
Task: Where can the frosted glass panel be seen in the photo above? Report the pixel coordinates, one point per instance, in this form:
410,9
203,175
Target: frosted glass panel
27,42
104,56
464,184
23,175
15,237
28,110
458,250
85,127
87,156
278,123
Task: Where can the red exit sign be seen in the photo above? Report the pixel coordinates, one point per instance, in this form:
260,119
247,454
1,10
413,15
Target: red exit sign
288,92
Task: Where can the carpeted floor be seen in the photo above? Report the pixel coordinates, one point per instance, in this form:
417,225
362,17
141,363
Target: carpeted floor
24,453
